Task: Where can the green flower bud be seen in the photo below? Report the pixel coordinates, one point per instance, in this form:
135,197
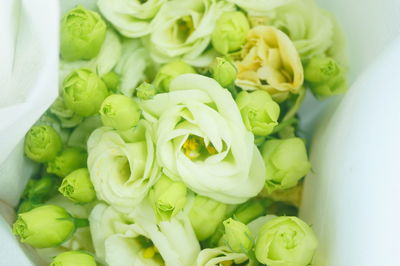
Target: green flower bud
70,159
45,226
168,197
223,71
84,91
286,163
77,186
120,112
249,211
42,189
168,72
325,77
206,214
82,34
238,236
42,143
145,91
230,32
285,240
74,258
259,112
111,79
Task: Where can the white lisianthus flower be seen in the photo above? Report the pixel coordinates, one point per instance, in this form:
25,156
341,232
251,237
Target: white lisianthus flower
132,65
202,140
221,256
136,239
309,27
131,18
122,173
182,29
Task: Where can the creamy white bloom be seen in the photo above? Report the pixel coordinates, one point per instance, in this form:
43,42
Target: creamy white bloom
217,256
121,239
201,140
131,66
309,27
122,173
182,29
131,18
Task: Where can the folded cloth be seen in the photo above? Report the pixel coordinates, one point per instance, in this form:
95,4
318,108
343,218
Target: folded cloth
28,76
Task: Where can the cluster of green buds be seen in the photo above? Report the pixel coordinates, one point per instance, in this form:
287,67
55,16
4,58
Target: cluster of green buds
325,76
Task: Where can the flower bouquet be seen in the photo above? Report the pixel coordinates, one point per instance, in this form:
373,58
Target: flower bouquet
175,139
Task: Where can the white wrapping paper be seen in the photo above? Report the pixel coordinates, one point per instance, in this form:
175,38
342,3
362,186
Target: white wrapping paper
351,199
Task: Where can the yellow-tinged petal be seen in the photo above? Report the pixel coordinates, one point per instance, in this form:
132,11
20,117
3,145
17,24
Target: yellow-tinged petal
270,61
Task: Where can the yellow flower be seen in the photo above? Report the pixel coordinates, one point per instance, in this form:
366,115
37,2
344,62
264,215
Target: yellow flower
270,61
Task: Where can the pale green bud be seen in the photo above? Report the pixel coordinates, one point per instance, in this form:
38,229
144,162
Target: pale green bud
230,32
77,186
168,197
112,80
325,76
42,143
74,258
223,71
285,240
259,112
120,112
70,159
170,71
82,34
84,91
249,211
286,163
206,214
238,236
45,226
145,91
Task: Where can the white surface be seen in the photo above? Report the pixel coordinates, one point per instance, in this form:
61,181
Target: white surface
351,199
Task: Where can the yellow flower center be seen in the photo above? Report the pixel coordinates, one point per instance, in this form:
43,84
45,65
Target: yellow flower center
194,146
185,27
150,252
227,263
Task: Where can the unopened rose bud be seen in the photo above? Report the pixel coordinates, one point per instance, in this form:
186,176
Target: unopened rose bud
42,143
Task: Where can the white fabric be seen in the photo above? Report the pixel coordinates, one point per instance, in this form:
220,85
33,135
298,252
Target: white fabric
352,202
